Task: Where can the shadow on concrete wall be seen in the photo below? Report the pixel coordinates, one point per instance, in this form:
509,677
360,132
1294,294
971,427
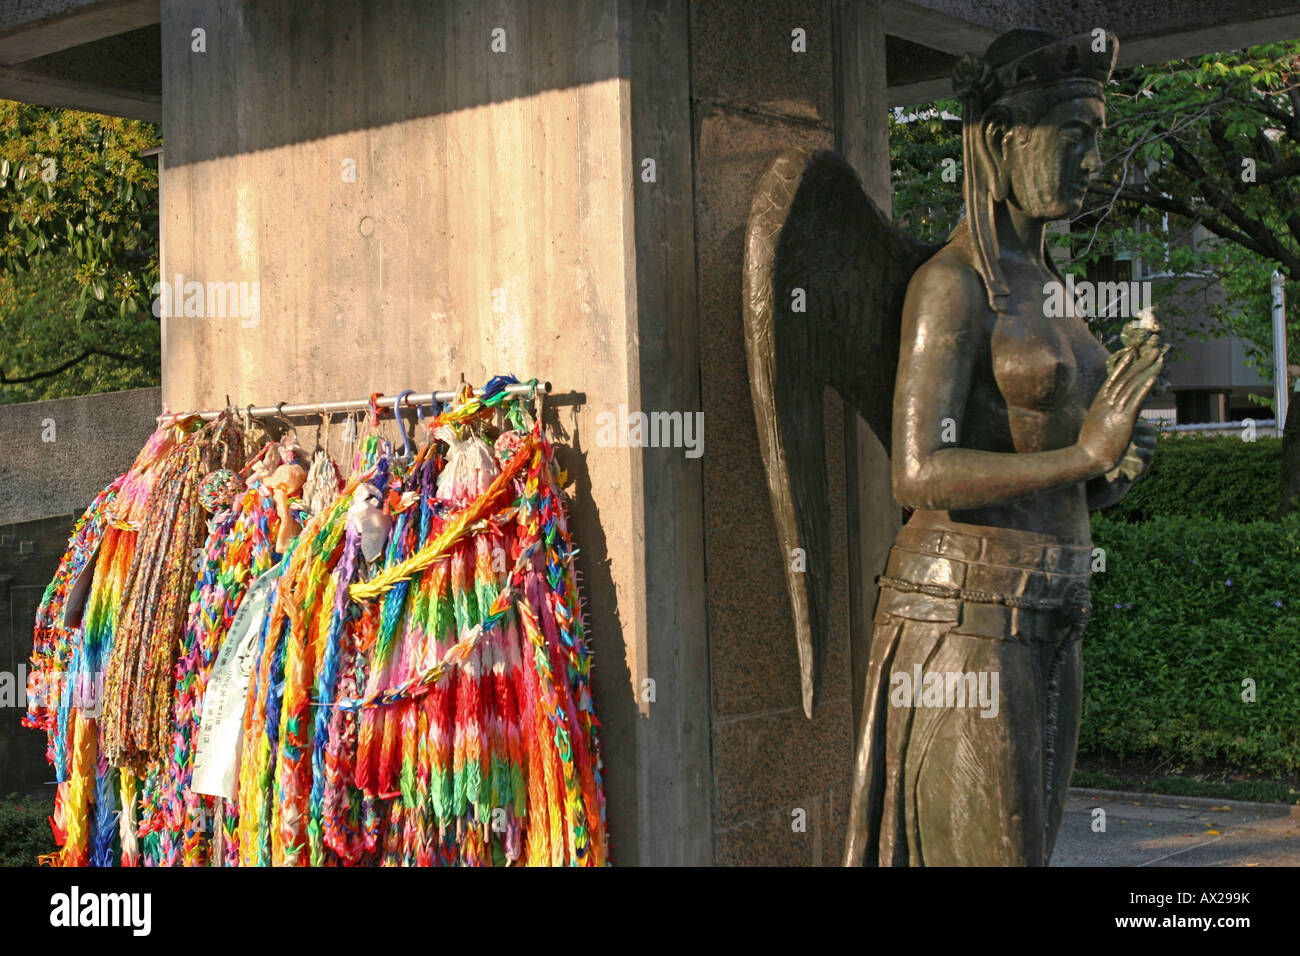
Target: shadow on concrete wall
611,674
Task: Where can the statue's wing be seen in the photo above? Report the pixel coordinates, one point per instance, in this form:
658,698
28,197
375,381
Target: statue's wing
825,276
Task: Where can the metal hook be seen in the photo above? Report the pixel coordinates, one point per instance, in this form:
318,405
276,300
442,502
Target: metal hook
290,434
408,450
430,421
324,424
421,416
279,413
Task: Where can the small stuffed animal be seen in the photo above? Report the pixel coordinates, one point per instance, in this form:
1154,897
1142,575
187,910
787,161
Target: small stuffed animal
284,483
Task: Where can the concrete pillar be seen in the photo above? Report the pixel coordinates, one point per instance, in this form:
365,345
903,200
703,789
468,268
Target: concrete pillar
862,137
425,190
429,190
762,82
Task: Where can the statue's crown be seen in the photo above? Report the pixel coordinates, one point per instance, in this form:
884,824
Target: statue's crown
1023,60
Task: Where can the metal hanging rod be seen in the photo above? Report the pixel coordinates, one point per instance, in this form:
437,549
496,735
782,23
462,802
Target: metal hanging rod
351,404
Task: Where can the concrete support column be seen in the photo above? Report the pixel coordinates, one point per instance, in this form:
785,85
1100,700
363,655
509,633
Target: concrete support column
412,193
862,137
672,744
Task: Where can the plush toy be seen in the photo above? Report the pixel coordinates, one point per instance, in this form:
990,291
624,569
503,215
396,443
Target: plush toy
284,484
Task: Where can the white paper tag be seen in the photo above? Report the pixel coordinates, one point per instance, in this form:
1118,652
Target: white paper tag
367,515
221,731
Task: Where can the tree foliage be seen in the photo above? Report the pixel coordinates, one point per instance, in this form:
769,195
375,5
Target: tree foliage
1212,142
79,257
926,168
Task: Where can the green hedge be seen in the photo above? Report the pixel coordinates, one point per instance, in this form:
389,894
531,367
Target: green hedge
25,829
1185,610
1217,476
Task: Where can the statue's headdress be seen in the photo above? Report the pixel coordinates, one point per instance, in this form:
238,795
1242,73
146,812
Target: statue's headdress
1019,65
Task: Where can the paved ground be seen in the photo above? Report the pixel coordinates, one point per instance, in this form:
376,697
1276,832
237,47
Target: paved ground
1149,830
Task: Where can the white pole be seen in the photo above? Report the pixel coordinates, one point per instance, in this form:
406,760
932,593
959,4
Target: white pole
1280,393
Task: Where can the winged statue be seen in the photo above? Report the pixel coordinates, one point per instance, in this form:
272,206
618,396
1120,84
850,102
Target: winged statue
1005,423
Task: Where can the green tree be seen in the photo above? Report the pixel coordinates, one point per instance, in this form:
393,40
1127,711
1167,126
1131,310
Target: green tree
79,258
1212,142
925,168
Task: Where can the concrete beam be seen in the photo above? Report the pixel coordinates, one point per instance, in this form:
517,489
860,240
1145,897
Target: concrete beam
1157,48
36,28
120,75
27,86
673,770
922,91
932,27
1161,30
862,137
916,73
1248,19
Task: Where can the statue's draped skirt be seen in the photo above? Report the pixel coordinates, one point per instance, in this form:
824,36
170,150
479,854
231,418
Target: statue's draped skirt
954,783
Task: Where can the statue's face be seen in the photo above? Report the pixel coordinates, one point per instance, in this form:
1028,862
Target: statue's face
1052,161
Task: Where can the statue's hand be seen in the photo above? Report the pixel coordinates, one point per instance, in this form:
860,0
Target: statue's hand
1137,458
1109,428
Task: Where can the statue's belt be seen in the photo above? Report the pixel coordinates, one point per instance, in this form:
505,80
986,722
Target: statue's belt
950,593
999,547
985,585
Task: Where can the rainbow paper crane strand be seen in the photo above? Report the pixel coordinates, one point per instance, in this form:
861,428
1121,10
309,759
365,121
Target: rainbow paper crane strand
139,682
54,644
240,548
275,779
430,708
76,734
566,609
565,802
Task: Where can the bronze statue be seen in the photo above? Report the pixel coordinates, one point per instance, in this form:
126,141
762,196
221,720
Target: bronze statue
1006,427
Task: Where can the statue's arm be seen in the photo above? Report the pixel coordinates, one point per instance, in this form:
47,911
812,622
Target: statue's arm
943,330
